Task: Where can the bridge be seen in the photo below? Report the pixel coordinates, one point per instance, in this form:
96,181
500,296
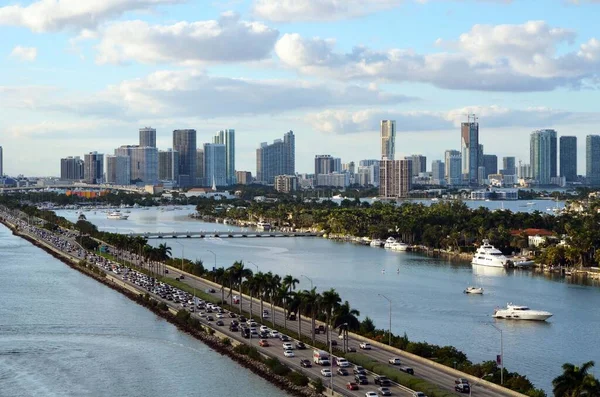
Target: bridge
222,234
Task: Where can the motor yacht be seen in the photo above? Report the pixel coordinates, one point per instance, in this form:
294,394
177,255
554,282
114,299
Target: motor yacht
263,226
376,243
488,255
117,215
388,243
514,312
399,246
474,290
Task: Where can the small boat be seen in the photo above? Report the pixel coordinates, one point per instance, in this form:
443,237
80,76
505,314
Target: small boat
474,290
514,312
376,243
117,215
263,226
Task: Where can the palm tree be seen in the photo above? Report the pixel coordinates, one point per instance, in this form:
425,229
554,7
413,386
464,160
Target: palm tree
295,306
345,318
311,302
289,282
220,277
283,297
260,279
252,284
575,381
330,301
239,273
273,285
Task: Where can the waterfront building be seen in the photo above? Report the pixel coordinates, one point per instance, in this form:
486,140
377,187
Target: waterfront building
438,172
215,164
144,164
592,159
184,141
543,155
419,163
490,163
227,137
168,165
286,183
243,177
508,166
148,137
503,194
388,139
453,167
470,150
71,168
93,168
334,179
279,158
200,174
568,158
118,169
395,178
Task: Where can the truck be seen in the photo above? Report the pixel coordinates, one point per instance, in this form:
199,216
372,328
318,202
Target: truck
320,357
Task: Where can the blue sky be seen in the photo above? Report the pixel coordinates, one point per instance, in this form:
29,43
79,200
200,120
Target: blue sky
84,76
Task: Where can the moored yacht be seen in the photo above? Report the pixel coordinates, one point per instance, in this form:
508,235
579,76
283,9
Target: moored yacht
376,243
388,243
488,255
474,290
263,226
117,215
399,246
514,312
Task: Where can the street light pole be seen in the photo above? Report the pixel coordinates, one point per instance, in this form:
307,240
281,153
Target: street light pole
182,252
501,353
390,327
214,267
309,279
252,263
475,383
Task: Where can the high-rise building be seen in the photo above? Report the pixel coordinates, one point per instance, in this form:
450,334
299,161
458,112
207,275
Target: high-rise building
568,158
469,133
1,163
542,152
215,164
148,137
184,141
481,175
71,168
286,183
509,166
337,164
324,164
93,168
453,167
524,171
490,163
395,178
118,169
168,165
144,164
200,177
592,159
350,168
243,177
388,139
370,171
419,163
279,158
227,138
438,171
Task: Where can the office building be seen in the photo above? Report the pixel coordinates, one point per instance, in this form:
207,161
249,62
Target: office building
438,171
395,178
148,137
592,159
324,164
286,183
337,165
388,139
71,169
1,162
215,164
568,158
542,152
490,163
118,170
243,177
469,133
168,165
184,141
481,175
144,165
93,168
279,158
524,171
200,175
453,167
419,163
349,168
227,138
508,166
369,173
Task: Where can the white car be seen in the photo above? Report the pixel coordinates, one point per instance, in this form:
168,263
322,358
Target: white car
342,362
265,314
394,361
370,394
326,372
288,346
264,328
288,353
365,346
274,334
219,315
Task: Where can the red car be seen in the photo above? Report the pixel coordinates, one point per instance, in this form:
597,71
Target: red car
263,343
352,386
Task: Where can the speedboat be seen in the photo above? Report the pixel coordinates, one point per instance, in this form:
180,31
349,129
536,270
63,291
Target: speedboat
376,243
399,246
514,312
117,215
488,255
388,243
474,290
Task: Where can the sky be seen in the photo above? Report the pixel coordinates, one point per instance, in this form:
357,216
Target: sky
79,76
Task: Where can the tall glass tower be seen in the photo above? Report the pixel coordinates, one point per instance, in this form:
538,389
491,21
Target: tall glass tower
184,141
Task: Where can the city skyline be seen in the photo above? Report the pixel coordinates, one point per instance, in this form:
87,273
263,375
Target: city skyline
329,73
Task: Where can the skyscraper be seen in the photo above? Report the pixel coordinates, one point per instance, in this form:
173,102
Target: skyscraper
200,177
93,168
490,163
71,168
388,139
509,166
395,178
215,164
184,141
118,169
568,157
1,163
453,167
592,159
469,133
144,164
279,158
227,138
168,165
324,164
148,137
437,171
419,163
542,152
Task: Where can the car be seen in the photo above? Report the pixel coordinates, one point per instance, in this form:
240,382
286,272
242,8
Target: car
342,371
462,388
365,346
242,319
234,322
264,334
264,328
263,343
305,363
326,372
274,334
351,349
181,277
419,394
461,381
321,328
287,346
406,369
352,386
233,328
300,345
382,381
292,317
342,362
220,322
210,318
236,299
394,361
232,315
370,394
220,315
265,314
254,334
384,391
211,290
361,379
324,362
284,338
288,353
358,370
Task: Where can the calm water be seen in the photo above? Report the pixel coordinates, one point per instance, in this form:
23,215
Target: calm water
428,302
63,334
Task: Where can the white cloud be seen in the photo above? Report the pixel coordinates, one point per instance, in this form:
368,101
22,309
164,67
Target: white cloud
489,58
56,15
25,54
225,40
318,10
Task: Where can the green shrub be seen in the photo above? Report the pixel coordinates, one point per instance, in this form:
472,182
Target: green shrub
318,385
226,341
298,378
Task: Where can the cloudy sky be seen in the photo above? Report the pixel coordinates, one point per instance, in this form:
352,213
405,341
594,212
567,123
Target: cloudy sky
79,76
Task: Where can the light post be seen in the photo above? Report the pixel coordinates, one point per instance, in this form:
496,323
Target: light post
182,252
309,279
215,266
331,355
390,327
501,353
255,265
471,387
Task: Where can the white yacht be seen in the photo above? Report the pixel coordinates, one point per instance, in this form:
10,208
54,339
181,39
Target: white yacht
117,215
399,246
514,312
474,290
388,243
488,255
263,226
376,243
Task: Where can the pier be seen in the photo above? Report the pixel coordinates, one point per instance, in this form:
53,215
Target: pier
222,234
